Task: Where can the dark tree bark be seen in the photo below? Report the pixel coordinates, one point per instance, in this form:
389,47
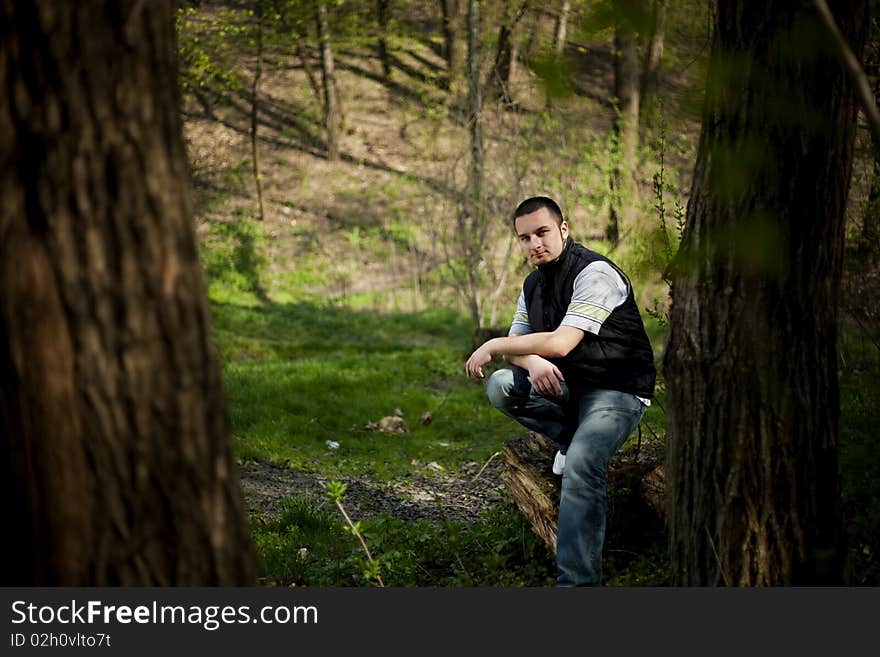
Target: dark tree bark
255,150
871,218
116,460
383,12
626,130
453,22
332,111
751,359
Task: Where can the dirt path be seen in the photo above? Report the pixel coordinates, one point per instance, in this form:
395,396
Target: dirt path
459,496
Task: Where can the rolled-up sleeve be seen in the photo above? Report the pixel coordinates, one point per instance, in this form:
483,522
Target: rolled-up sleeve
598,290
520,324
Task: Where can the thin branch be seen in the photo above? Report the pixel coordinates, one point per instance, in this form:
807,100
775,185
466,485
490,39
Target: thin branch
851,63
355,531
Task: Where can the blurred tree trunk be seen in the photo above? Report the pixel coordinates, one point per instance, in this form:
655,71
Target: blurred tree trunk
383,11
452,51
626,130
653,59
751,357
502,70
871,218
332,111
531,35
471,216
562,27
255,151
303,54
869,245
115,451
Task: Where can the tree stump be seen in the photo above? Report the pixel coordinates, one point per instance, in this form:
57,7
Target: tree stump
530,481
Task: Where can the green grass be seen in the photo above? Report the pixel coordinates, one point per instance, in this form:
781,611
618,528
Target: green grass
300,375
501,550
859,460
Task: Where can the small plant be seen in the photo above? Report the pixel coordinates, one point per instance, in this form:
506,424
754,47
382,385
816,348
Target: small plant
336,491
664,256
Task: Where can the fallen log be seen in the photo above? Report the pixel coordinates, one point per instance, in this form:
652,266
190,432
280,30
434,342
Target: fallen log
529,479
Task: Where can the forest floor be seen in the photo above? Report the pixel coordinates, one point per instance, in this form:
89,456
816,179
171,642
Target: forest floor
460,496
327,313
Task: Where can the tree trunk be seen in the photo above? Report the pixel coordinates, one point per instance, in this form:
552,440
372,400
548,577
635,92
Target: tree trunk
303,54
870,239
472,213
255,151
452,51
751,358
116,460
502,70
871,218
626,131
383,11
562,27
653,59
531,34
332,113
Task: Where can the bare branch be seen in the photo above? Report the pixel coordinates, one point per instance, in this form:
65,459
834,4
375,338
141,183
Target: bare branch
859,79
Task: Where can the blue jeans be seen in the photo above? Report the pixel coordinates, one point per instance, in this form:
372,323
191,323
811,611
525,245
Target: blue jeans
590,426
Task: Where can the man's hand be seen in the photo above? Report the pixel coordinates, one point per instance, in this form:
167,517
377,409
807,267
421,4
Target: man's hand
545,377
483,355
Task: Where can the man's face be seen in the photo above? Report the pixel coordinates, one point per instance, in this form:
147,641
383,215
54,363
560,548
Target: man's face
540,237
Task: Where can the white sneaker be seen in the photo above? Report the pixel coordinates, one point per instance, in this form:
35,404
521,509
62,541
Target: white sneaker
559,463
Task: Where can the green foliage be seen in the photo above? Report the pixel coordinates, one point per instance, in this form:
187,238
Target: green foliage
555,74
232,259
207,56
604,15
336,490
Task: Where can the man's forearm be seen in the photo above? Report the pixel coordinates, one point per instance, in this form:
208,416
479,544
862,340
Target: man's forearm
546,344
523,361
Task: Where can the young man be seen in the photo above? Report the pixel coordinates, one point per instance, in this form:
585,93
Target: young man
581,372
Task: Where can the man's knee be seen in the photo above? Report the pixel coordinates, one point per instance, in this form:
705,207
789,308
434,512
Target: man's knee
499,388
584,467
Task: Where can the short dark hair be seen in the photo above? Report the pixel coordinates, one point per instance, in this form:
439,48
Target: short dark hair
536,203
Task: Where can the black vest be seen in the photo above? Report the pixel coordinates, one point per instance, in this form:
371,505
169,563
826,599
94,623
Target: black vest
620,356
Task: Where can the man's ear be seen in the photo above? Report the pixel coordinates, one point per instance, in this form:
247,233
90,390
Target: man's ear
563,228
